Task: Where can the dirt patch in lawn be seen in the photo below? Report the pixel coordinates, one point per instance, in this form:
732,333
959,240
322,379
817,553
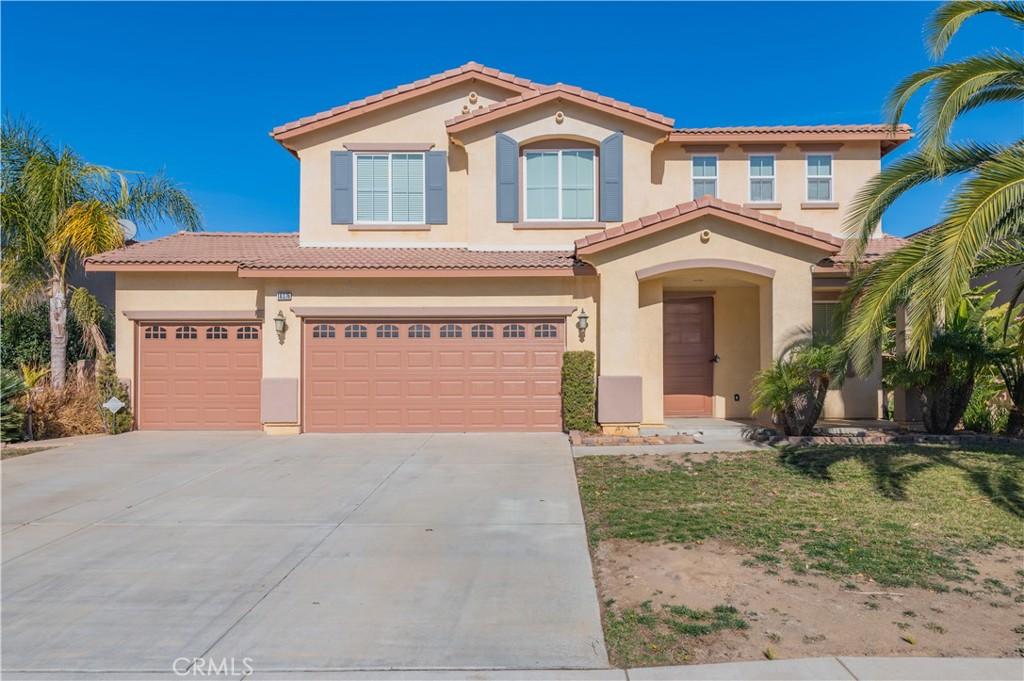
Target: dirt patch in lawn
779,613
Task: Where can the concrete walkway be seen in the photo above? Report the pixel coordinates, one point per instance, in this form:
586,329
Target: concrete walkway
812,669
311,552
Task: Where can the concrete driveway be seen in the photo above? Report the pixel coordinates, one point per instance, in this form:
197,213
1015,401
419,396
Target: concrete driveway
311,552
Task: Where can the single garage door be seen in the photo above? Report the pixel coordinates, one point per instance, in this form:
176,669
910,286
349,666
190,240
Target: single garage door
411,375
199,376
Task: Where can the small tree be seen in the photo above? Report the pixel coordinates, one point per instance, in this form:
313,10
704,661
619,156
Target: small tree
110,385
794,387
959,351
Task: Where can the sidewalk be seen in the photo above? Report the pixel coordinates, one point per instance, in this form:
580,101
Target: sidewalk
810,669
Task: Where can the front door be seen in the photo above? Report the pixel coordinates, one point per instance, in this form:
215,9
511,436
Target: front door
689,351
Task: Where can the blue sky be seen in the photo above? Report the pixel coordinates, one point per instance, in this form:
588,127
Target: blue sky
194,88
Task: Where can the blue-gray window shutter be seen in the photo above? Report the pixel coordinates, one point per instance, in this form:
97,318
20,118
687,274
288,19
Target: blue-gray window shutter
507,167
437,187
341,188
611,178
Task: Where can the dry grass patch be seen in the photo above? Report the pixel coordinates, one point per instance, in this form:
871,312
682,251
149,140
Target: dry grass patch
820,551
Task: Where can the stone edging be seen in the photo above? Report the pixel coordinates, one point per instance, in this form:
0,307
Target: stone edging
580,439
890,439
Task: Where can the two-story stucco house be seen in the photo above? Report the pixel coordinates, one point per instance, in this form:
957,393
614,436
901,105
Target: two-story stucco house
458,233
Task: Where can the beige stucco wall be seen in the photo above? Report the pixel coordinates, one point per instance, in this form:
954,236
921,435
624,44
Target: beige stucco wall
630,336
172,292
418,120
657,174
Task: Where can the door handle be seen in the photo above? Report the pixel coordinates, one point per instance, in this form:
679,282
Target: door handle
716,359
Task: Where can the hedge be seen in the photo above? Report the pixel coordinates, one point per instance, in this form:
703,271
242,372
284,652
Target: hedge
578,394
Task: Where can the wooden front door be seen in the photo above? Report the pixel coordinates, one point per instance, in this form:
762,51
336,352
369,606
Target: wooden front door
689,350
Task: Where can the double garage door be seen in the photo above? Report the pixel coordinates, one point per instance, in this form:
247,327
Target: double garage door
416,375
359,375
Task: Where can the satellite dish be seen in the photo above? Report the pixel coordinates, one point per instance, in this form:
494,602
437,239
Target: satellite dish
128,228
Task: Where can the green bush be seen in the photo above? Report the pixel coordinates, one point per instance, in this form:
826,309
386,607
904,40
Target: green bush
12,420
578,390
109,385
985,411
25,338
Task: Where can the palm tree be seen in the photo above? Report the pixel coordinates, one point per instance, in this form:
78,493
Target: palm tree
56,209
929,275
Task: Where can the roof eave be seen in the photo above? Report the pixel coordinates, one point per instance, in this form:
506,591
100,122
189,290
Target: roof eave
283,135
457,125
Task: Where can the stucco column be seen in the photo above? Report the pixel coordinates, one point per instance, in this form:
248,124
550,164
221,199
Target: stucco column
629,346
791,308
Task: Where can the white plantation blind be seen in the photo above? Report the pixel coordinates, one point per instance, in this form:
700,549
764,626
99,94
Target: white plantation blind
577,185
762,178
407,188
372,188
542,185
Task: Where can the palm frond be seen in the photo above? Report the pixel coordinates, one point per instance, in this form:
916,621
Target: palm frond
949,17
999,255
87,228
874,293
149,199
967,83
910,171
975,219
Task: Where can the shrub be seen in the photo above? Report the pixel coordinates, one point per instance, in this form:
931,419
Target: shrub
578,390
793,389
986,411
25,338
62,412
109,385
12,419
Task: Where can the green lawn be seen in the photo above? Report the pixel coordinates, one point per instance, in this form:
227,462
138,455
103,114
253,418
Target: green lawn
902,516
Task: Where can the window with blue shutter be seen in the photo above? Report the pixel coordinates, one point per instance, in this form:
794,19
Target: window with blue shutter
341,187
390,188
437,187
507,178
611,178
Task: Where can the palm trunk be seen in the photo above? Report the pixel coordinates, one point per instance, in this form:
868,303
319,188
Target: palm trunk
58,331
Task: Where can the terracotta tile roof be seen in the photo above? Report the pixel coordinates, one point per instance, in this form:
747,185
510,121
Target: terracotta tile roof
706,204
472,68
876,249
558,90
268,251
796,133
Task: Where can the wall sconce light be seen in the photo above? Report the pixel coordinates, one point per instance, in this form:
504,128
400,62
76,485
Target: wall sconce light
280,325
582,322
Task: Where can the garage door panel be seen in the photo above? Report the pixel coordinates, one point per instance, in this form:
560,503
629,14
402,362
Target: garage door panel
424,376
199,377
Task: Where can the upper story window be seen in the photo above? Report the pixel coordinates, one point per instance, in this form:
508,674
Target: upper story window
762,178
560,184
819,177
389,188
705,176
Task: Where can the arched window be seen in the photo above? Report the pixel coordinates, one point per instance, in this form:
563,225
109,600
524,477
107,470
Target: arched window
185,333
482,331
419,331
248,333
513,331
355,331
156,332
451,331
323,331
545,331
387,331
216,333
